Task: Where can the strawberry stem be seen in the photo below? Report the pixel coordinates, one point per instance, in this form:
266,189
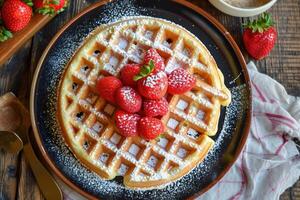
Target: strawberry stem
263,23
144,71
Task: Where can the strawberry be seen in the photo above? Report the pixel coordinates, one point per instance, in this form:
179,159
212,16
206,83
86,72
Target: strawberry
158,61
180,81
49,6
128,99
127,123
155,108
107,87
15,14
149,128
153,86
260,36
127,74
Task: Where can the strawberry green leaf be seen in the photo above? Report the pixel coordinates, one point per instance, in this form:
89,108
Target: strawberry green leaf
263,23
5,34
46,11
145,71
56,2
28,2
138,77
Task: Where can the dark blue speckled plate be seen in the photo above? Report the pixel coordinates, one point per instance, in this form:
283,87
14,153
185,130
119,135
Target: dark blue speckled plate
234,122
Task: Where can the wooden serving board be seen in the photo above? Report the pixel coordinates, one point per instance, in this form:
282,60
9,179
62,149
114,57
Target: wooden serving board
9,47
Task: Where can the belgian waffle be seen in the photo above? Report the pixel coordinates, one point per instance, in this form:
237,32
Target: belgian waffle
86,119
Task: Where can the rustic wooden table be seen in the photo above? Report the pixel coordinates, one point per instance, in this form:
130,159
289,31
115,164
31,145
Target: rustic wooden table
16,180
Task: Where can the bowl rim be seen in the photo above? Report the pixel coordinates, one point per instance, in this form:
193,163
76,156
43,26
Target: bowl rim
266,5
50,163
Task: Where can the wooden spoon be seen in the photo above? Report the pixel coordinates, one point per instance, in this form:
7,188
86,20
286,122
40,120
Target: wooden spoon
15,116
11,142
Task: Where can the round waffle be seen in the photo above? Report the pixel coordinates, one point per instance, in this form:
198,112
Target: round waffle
87,120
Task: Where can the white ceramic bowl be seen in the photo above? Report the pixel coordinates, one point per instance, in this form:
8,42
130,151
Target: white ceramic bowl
241,12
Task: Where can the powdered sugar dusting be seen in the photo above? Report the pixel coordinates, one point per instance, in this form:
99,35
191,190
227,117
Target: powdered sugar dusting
134,149
152,81
154,108
129,94
127,123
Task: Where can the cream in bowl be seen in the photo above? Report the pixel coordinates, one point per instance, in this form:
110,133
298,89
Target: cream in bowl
243,8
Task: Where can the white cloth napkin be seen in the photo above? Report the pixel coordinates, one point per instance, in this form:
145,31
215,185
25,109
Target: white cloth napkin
270,161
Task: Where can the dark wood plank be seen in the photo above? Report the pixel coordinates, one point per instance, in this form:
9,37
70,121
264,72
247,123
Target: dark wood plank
10,73
13,70
8,175
27,187
283,63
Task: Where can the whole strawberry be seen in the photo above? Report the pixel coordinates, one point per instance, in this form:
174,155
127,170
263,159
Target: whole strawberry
150,128
15,14
128,99
180,81
260,36
107,87
127,123
128,72
154,86
152,55
155,108
49,6
151,84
